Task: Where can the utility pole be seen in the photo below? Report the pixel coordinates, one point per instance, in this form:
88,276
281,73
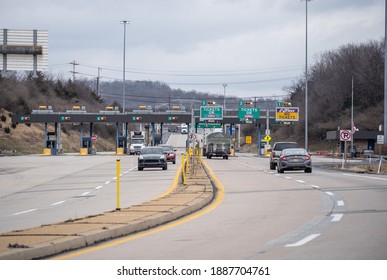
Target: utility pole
98,79
73,63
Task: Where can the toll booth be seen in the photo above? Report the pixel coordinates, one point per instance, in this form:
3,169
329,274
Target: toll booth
86,145
122,144
51,143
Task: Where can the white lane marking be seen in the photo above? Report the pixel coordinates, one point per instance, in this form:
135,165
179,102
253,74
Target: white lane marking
287,177
85,193
336,217
340,203
126,171
107,182
57,203
329,193
300,181
99,187
24,212
304,241
315,187
114,178
368,177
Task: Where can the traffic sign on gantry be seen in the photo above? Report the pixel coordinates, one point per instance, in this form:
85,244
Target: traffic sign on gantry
287,114
211,113
248,113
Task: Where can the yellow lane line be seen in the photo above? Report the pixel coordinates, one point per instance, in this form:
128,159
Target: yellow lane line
215,203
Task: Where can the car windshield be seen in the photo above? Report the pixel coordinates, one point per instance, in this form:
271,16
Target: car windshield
294,152
148,151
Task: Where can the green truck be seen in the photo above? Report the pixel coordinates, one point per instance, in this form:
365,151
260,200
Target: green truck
217,144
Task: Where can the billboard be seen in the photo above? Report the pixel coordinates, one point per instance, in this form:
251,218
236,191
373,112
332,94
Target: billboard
23,50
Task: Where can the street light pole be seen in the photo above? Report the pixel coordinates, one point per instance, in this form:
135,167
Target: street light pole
224,99
306,74
385,73
124,22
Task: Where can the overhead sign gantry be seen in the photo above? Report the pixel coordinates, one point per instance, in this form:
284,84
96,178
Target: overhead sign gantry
78,115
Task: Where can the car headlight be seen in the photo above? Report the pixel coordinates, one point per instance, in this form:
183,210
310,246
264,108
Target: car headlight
141,157
162,157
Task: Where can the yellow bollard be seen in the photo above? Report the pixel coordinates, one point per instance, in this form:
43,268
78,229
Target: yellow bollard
187,160
183,169
118,173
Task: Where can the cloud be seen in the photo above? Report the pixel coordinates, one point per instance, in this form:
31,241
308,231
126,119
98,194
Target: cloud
197,44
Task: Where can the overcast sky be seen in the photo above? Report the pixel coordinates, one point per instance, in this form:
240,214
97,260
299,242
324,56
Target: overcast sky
256,47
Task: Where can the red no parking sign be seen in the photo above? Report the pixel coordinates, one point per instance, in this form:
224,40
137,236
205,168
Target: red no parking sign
345,135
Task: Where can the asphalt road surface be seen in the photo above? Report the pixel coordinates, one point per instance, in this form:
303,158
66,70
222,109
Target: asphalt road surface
36,190
265,215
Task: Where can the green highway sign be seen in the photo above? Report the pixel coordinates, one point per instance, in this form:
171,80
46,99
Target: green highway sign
248,113
211,113
209,125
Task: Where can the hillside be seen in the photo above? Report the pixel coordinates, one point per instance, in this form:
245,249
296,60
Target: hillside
329,94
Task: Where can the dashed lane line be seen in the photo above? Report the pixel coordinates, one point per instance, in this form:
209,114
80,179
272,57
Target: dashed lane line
304,241
336,217
25,212
58,203
83,194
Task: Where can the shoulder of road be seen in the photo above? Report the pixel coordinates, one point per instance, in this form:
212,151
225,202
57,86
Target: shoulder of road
48,240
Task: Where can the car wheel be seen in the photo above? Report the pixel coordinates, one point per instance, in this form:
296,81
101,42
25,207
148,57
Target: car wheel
280,170
165,167
174,162
140,168
308,170
272,166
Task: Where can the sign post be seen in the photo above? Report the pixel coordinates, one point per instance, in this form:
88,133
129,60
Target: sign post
380,142
345,135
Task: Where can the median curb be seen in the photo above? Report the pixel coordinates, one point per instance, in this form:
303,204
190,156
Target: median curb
48,240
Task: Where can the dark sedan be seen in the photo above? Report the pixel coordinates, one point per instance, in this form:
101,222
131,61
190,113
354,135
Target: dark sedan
151,157
294,159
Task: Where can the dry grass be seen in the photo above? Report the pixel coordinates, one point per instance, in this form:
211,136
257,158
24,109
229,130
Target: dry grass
29,139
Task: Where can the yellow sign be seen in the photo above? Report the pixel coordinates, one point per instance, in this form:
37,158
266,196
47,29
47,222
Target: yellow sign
249,139
287,114
267,138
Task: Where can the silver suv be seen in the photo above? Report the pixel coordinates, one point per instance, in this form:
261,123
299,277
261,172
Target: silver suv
276,151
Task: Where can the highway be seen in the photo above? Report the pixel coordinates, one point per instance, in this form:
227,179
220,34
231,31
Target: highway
259,214
38,190
265,215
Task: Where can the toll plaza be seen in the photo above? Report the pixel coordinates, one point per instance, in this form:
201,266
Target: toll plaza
87,121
